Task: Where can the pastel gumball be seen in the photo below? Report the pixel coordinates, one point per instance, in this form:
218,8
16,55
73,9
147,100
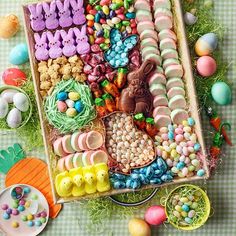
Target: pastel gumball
148,43
157,89
141,26
174,71
77,160
163,22
142,5
57,147
154,57
82,141
61,164
174,82
167,44
162,12
167,33
74,141
160,100
161,110
178,116
86,158
170,62
149,34
143,15
157,78
149,50
99,156
175,91
206,66
169,53
94,140
66,144
162,121
162,4
69,162
177,101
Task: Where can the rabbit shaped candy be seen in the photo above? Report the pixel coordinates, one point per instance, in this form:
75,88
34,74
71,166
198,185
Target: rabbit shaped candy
50,15
78,12
36,17
68,42
41,46
64,12
55,50
83,46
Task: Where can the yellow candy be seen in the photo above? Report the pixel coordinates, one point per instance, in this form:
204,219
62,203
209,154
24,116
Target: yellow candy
185,123
178,208
89,17
64,184
105,9
15,224
107,41
184,213
184,199
173,153
122,29
77,176
74,96
27,204
30,217
71,112
103,183
91,39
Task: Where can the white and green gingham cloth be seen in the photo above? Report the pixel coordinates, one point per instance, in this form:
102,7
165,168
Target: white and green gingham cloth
73,220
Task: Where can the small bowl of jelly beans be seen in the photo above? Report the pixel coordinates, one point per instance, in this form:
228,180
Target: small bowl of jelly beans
187,207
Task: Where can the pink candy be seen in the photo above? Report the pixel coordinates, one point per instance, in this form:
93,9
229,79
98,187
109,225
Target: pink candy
179,131
179,137
164,136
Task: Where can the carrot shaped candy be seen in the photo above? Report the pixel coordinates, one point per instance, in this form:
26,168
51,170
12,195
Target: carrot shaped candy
215,122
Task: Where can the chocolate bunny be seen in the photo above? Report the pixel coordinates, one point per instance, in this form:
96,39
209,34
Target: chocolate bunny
136,98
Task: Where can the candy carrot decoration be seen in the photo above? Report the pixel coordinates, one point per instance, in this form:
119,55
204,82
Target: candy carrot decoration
215,121
121,78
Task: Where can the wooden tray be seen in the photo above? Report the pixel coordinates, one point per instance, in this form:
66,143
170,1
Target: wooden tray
179,28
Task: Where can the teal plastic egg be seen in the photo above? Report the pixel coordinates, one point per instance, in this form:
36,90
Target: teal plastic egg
19,54
206,44
221,93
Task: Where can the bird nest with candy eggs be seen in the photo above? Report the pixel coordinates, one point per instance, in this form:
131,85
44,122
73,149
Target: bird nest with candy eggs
116,95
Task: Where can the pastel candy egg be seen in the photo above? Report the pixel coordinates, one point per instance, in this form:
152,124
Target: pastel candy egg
61,106
6,216
21,102
14,118
30,223
206,66
206,44
71,112
3,108
4,207
14,76
79,106
19,54
38,223
189,18
8,95
70,103
221,93
201,173
74,96
62,96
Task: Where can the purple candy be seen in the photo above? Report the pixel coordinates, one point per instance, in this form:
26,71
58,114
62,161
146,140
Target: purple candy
15,212
4,207
22,202
112,14
102,14
9,211
43,214
99,33
38,215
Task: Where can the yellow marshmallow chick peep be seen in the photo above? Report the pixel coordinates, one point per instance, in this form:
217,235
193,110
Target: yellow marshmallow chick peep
90,179
103,183
64,184
78,179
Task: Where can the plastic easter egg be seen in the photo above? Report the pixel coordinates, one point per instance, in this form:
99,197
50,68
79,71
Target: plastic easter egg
138,227
189,18
9,25
14,118
19,54
3,108
206,66
206,44
8,95
14,77
61,106
221,93
155,215
21,102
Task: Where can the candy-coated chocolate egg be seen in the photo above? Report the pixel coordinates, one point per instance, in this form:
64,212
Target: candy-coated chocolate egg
62,96
14,118
138,227
74,96
221,93
61,106
155,215
8,95
71,112
206,44
19,54
79,106
9,25
206,66
3,108
70,103
189,18
21,102
14,77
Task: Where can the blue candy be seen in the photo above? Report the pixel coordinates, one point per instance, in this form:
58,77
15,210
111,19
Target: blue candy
171,127
100,33
112,14
197,147
166,178
180,165
158,173
26,190
30,223
130,15
162,164
102,14
97,17
149,172
143,179
79,106
154,165
185,208
191,121
62,96
128,183
134,176
119,185
135,184
38,223
21,208
155,181
119,176
171,135
201,173
6,216
188,220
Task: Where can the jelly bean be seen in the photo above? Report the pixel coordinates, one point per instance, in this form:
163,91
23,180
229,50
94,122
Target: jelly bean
105,2
4,207
106,26
158,173
97,17
200,172
116,20
99,40
103,46
98,26
191,168
185,208
135,184
178,208
195,162
184,214
126,4
125,23
91,39
90,23
176,213
107,41
90,17
155,181
112,14
149,172
71,112
98,8
166,178
171,135
92,12
62,96
191,214
102,14
121,16
90,30
6,216
197,146
130,15
105,9
119,185
88,7
143,179
134,176
188,220
191,121
162,164
180,165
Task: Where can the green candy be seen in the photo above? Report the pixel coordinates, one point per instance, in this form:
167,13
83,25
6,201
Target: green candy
106,34
126,4
98,8
24,218
103,46
15,205
130,1
125,23
118,26
115,6
43,220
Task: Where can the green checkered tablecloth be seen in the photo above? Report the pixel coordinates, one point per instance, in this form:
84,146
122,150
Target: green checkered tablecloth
73,220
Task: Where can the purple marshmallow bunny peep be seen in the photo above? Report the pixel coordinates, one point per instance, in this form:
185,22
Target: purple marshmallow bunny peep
54,44
36,17
78,12
68,42
83,46
41,46
50,15
64,12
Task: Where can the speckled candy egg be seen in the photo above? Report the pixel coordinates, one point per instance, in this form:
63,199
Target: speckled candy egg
206,44
61,106
206,66
21,102
13,76
71,112
3,108
14,118
19,54
221,93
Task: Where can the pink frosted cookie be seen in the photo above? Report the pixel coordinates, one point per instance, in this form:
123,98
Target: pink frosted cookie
157,78
148,43
174,82
167,44
144,25
169,53
178,116
77,160
162,12
160,100
161,110
66,144
82,141
99,156
149,50
69,162
142,5
143,15
61,164
58,149
157,89
86,158
74,141
163,22
174,71
175,91
178,101
170,62
167,33
162,4
154,57
149,34
162,121
94,140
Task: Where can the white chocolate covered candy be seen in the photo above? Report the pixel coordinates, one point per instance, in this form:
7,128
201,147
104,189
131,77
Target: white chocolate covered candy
169,53
170,62
157,78
167,44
